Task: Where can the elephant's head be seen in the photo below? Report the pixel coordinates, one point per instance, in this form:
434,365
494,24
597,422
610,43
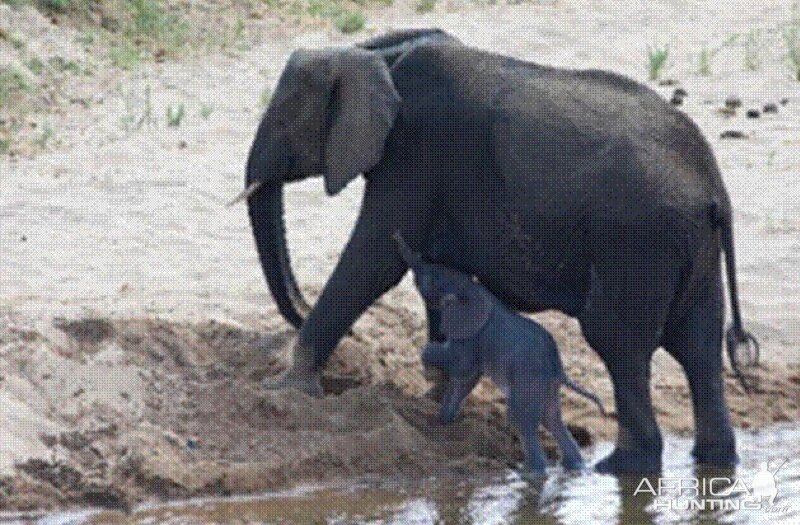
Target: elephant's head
330,115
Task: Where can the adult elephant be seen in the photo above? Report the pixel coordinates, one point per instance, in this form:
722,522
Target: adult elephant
580,191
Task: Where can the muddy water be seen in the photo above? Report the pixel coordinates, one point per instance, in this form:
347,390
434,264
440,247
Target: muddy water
562,498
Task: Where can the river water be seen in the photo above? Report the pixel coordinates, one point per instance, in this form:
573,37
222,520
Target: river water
563,498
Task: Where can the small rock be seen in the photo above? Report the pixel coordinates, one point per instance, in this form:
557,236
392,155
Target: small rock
192,444
753,113
733,134
728,112
182,144
784,101
676,100
23,238
680,92
667,82
733,102
770,108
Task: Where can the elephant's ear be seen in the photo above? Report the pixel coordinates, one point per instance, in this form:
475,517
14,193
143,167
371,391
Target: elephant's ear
465,315
364,105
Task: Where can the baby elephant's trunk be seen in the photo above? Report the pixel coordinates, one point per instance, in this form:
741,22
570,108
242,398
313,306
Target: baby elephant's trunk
575,387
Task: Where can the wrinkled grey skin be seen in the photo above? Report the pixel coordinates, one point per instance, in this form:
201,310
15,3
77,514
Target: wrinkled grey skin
484,337
580,191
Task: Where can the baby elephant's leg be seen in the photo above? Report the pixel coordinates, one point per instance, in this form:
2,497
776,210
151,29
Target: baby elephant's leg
525,403
457,389
571,457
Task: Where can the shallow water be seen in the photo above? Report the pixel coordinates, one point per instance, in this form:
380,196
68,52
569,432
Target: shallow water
564,498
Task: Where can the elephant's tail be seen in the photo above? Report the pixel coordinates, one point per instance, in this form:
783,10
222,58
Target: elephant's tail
736,335
578,389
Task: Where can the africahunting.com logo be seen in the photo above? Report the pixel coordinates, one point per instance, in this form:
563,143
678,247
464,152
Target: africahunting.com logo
759,492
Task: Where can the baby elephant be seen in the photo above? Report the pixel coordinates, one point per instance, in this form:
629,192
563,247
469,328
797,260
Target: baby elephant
484,337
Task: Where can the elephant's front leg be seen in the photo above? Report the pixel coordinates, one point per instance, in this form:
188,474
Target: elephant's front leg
369,266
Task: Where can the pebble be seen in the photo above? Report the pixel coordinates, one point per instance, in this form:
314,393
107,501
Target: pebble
770,108
753,113
676,100
680,92
733,102
733,134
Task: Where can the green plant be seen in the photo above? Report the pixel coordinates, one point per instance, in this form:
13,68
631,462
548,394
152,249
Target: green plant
11,82
771,158
15,3
175,115
425,6
752,51
44,138
206,110
124,56
791,37
86,38
325,8
350,22
61,64
151,20
704,62
133,120
35,65
55,5
657,60
238,30
16,41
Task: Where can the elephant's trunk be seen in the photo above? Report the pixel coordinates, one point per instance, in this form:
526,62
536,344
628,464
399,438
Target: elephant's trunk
266,218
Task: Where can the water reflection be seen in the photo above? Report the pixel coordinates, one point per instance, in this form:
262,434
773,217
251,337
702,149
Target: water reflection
680,495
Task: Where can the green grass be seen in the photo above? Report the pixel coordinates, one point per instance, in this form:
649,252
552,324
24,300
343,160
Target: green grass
791,37
11,83
55,5
344,20
350,22
14,3
44,138
124,56
425,6
704,62
206,110
175,115
35,65
656,61
86,38
67,66
154,25
752,51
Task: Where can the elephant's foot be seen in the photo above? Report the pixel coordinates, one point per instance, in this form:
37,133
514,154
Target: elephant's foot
720,455
627,461
303,375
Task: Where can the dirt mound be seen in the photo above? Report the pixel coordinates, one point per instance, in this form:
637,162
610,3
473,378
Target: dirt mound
109,412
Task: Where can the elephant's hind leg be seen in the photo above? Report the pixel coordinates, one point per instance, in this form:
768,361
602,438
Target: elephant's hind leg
632,289
695,340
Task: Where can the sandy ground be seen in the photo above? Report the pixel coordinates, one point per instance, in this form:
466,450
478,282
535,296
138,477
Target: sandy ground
157,396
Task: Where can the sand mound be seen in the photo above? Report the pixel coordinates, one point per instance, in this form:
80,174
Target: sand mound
108,412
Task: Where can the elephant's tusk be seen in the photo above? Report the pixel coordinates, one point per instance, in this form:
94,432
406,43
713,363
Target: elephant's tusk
246,193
